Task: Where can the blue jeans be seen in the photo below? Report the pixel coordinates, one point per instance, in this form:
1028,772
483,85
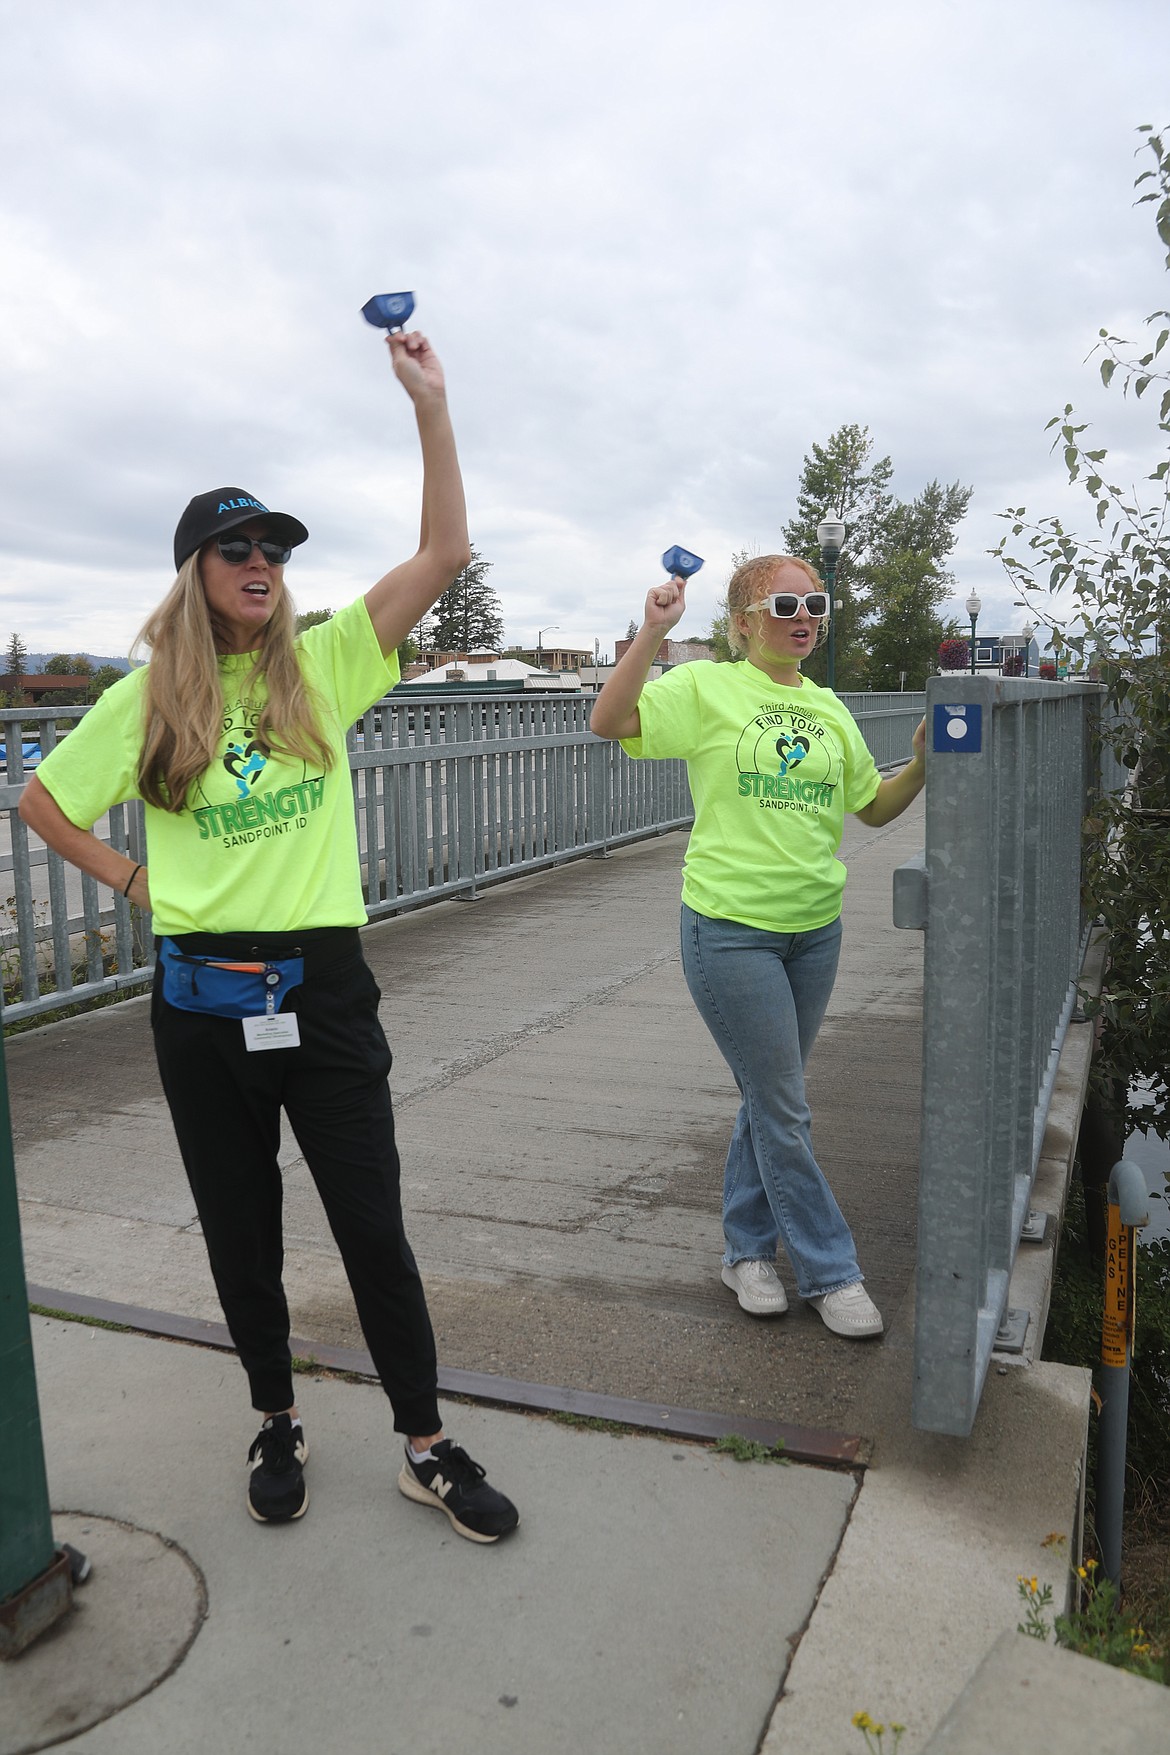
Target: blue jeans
762,995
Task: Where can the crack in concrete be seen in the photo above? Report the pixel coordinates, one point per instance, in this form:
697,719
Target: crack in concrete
542,1026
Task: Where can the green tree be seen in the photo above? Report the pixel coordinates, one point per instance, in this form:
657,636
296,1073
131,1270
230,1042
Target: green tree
63,664
928,524
468,617
423,633
1108,601
908,584
906,591
312,618
15,656
890,575
843,480
104,677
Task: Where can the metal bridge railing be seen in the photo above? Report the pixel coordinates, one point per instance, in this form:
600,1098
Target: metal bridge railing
888,722
450,794
1011,765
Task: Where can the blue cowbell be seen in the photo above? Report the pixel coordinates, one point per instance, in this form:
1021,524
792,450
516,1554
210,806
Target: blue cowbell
681,561
389,310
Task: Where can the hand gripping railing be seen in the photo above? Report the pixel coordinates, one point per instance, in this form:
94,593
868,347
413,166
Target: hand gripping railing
1011,765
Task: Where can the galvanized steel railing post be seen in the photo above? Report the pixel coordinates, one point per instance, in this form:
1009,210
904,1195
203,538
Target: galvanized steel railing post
954,1221
998,893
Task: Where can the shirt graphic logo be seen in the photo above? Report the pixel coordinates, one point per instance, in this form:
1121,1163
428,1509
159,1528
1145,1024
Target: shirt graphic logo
245,763
787,760
791,751
246,797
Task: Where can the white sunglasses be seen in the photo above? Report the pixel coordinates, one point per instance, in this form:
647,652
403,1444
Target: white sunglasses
784,604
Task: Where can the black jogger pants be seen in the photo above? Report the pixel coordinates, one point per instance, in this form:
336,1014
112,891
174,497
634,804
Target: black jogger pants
226,1102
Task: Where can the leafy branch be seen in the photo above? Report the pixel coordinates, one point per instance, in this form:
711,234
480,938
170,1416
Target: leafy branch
1107,598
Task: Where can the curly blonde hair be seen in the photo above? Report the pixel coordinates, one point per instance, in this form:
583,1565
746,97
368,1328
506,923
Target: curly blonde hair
753,580
183,698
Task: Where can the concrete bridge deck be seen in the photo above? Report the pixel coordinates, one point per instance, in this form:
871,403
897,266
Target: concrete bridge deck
563,1118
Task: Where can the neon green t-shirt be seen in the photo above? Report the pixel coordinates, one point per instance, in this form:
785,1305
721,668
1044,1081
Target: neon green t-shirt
264,843
772,772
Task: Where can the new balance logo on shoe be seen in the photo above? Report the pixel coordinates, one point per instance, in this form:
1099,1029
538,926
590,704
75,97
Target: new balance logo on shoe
452,1482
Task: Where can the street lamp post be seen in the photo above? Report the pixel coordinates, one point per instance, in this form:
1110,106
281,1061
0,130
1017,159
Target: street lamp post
1029,630
540,633
831,536
974,605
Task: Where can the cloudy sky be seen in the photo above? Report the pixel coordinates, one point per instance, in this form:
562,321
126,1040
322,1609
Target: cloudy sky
661,248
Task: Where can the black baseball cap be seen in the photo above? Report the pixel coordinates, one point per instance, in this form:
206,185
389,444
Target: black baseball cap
223,509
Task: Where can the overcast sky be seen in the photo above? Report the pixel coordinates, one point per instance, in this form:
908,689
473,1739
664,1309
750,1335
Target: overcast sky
661,248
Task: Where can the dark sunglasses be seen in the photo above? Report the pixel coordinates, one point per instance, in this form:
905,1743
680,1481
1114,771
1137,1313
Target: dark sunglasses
235,550
784,604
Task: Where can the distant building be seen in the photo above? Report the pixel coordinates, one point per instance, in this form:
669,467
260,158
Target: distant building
670,651
993,648
484,668
38,684
552,657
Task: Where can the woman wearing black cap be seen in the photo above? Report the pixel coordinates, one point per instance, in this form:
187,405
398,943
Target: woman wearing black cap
234,737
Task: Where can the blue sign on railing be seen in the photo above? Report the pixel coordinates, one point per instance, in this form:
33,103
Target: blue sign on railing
958,728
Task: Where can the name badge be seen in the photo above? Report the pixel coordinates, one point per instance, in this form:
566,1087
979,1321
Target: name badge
271,1030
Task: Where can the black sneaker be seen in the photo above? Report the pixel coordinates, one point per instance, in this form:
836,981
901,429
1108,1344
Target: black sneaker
450,1481
276,1483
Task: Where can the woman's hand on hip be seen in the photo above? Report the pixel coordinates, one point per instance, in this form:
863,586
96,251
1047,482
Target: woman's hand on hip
139,891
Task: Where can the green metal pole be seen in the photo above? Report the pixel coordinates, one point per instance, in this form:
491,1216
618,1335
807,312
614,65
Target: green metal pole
26,1535
829,556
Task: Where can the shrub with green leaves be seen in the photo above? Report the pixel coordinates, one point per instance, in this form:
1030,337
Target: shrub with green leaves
1108,602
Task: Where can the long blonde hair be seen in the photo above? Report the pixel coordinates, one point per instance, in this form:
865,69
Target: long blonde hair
183,699
753,579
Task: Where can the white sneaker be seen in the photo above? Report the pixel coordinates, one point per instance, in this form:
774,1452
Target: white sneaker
757,1286
851,1311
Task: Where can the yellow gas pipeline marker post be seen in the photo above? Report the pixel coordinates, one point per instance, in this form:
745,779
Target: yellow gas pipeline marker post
1128,1208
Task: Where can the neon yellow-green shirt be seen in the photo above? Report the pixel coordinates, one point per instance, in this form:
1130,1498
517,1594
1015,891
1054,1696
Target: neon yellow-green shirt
772,772
265,843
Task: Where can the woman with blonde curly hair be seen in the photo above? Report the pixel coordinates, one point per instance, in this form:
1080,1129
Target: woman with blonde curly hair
234,737
774,762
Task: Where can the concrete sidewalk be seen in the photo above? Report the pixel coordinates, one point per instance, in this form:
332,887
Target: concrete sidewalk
563,1118
613,1620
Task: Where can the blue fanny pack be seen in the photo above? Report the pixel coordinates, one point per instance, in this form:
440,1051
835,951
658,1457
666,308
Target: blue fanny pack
227,987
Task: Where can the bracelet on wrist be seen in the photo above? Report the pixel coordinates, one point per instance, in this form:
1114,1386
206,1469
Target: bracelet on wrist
130,879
